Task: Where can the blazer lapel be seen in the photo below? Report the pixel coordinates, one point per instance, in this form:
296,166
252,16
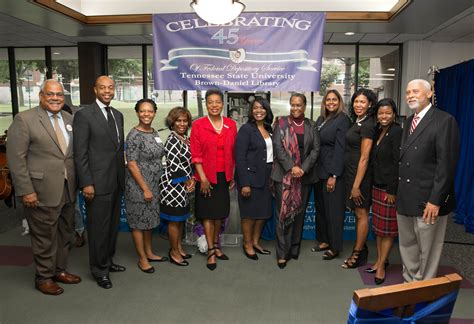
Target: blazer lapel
410,139
46,123
103,121
307,132
68,124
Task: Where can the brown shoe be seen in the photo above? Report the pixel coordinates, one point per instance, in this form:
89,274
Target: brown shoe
80,240
67,278
49,287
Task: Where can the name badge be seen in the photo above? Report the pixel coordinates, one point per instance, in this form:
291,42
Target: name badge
158,140
69,128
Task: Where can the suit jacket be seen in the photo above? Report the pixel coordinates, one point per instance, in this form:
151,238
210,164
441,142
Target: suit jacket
35,158
282,162
333,138
427,164
99,159
250,157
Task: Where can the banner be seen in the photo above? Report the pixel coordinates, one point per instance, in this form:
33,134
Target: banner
257,51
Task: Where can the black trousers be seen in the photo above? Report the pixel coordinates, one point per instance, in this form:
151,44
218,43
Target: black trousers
330,212
288,239
103,218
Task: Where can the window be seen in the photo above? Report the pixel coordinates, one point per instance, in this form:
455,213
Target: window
126,68
66,70
5,92
379,70
30,73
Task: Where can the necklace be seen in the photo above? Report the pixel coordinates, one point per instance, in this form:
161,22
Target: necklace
300,124
183,138
359,121
215,128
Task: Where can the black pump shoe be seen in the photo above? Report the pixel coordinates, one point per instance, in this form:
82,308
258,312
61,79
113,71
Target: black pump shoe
281,265
250,256
379,281
183,263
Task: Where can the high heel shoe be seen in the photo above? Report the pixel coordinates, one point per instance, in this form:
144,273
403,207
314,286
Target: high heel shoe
183,263
379,281
372,270
211,266
262,251
357,259
222,256
250,256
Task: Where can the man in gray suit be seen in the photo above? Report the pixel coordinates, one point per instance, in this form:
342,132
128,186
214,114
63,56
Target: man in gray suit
425,197
40,157
100,165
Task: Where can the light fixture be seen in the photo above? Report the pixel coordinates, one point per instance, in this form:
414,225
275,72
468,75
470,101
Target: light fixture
56,53
218,11
349,33
391,69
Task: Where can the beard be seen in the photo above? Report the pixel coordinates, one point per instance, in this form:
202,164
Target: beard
414,105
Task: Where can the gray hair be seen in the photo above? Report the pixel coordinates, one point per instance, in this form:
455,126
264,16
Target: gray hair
423,82
43,85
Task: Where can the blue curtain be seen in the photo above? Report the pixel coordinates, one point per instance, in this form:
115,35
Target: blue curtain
454,93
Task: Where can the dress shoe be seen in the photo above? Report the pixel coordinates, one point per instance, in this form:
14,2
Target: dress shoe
116,268
281,265
250,256
295,256
187,256
80,240
211,266
330,254
163,259
222,256
379,281
49,287
149,270
183,263
262,251
372,270
104,282
67,278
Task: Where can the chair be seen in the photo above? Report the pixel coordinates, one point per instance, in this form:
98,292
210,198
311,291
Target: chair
429,301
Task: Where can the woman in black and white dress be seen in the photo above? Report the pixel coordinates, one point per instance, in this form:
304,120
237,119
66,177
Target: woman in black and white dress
176,182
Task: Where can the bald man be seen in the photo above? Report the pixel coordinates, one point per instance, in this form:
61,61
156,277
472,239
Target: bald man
425,197
100,165
40,157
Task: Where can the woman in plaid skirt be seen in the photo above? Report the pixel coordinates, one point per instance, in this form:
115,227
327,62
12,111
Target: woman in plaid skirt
384,158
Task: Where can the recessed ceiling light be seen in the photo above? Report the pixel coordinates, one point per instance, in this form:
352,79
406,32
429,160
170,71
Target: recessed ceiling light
151,34
349,33
391,69
56,53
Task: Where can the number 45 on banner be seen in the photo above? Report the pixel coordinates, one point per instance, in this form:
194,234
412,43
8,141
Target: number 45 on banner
231,38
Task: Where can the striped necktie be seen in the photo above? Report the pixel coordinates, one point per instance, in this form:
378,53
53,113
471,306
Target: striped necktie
61,139
414,123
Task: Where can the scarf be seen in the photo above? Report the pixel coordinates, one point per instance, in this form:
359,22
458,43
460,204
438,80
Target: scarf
291,187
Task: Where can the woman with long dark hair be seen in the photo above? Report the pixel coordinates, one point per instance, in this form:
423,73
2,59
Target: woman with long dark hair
329,190
359,139
254,160
295,151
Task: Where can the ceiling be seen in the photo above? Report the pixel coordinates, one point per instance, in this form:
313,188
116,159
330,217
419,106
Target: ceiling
24,24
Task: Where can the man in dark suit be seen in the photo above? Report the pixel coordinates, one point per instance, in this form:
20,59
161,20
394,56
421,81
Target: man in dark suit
425,197
100,165
40,157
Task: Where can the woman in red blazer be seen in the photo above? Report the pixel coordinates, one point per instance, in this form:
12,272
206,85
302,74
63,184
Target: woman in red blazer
212,151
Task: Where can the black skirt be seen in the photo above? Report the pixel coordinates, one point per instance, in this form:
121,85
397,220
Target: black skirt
259,204
217,206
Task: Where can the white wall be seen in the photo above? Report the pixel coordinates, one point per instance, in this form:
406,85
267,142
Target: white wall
419,56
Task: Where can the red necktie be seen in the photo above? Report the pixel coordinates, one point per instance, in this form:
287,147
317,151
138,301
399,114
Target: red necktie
414,123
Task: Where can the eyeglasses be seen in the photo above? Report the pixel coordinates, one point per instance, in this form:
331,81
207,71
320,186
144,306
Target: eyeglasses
50,94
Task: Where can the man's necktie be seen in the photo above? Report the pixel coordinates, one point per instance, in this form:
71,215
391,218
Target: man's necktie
60,137
414,123
111,122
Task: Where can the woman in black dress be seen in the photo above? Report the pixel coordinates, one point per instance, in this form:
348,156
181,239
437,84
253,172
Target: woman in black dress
212,153
329,190
384,160
253,165
359,139
295,150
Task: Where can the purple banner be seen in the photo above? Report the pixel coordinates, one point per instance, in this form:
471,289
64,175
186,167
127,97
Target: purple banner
256,51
